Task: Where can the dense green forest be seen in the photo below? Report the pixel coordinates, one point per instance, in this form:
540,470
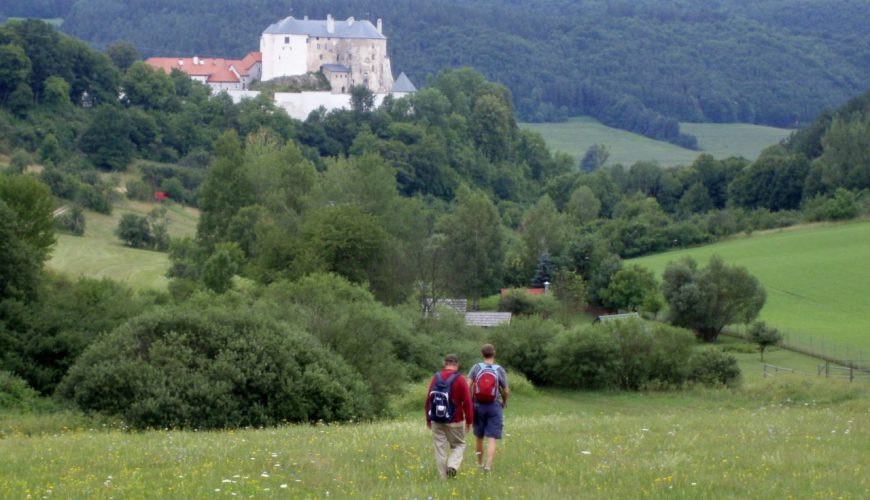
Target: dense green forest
325,236
638,65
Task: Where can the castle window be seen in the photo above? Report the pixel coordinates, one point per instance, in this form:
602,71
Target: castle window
321,57
286,39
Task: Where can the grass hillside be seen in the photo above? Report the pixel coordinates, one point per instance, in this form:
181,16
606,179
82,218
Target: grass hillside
779,438
99,253
817,278
721,140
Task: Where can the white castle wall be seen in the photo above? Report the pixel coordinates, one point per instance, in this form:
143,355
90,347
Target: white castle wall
300,104
283,55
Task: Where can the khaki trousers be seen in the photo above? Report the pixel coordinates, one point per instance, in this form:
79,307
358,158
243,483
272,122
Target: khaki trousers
449,445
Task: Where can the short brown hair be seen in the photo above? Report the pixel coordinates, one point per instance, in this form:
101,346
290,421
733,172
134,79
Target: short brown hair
451,359
488,351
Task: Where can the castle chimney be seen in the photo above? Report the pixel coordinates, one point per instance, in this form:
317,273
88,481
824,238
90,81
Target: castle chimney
380,26
350,21
305,18
330,24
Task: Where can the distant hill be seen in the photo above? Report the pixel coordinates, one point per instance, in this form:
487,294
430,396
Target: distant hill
640,65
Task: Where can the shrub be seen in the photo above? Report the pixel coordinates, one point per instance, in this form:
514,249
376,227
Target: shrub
15,394
214,367
714,367
375,340
518,301
139,190
50,333
649,352
583,358
522,345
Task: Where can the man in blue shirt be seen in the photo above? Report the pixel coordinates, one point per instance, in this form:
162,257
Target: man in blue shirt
489,390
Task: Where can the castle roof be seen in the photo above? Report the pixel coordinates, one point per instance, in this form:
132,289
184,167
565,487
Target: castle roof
217,70
349,28
403,84
335,68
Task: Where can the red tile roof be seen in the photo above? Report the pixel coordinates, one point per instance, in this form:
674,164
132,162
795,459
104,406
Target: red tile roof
214,69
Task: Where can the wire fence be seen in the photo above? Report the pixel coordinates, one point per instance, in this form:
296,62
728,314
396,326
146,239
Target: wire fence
827,370
824,349
831,370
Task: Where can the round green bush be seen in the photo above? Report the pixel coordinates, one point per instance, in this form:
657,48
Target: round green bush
214,368
713,367
583,358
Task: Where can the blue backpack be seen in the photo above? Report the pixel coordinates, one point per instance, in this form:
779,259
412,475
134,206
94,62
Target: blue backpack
441,407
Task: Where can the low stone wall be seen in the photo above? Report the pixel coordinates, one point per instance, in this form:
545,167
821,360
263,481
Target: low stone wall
300,104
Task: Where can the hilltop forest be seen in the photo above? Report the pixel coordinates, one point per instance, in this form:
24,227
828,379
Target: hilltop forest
638,65
320,239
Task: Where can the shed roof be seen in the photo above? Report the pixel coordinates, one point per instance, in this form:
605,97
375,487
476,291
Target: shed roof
487,319
348,28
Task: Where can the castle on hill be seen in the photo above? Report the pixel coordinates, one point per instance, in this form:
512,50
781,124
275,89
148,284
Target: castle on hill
347,53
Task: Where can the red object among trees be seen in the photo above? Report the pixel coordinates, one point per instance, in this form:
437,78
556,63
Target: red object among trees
160,196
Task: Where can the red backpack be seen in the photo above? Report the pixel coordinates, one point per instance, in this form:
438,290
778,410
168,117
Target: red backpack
486,383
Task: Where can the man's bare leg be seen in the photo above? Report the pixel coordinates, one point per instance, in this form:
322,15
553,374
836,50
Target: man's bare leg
490,452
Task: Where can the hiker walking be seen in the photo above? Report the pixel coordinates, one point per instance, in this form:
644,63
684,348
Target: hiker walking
449,415
489,388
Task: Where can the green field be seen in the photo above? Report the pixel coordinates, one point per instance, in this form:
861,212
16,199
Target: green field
54,21
778,438
817,279
99,253
721,140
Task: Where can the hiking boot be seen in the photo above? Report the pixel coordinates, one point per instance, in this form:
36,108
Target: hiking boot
451,472
486,470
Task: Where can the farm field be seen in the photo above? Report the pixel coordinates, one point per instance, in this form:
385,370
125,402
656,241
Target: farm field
773,439
99,253
721,140
817,278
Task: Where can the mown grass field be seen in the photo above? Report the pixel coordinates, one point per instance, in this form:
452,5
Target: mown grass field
777,438
721,140
817,277
99,253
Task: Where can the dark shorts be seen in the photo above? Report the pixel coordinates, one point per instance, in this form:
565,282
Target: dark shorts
488,420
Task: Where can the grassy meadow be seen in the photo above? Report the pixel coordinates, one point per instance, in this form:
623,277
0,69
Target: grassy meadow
783,437
721,140
817,278
99,253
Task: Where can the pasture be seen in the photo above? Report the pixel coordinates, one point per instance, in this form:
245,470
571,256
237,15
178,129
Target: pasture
817,278
784,437
721,140
100,254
